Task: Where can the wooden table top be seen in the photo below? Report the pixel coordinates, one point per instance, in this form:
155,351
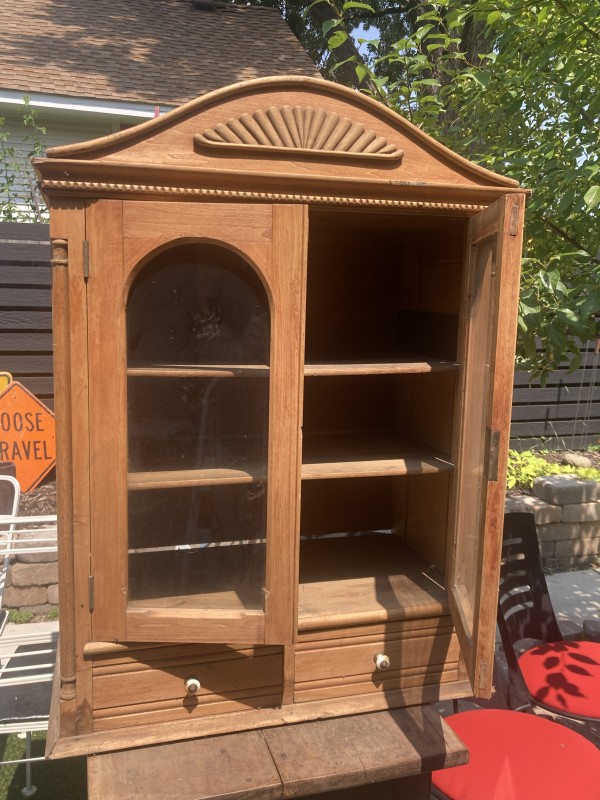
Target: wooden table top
289,761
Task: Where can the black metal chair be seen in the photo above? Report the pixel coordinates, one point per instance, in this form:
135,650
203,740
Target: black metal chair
561,676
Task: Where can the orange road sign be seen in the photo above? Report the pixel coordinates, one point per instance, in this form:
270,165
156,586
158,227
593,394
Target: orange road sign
27,436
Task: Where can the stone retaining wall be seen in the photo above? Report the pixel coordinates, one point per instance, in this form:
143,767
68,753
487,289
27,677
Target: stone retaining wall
567,515
32,583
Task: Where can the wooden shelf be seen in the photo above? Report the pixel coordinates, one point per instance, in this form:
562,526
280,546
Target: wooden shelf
169,479
200,371
361,455
214,579
359,579
404,366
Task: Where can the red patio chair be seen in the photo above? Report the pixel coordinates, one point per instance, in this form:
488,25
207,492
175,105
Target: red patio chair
560,676
515,756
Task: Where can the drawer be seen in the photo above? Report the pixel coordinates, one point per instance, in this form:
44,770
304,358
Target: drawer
344,662
149,685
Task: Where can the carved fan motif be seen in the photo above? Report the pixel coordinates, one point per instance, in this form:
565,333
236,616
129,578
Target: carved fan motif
301,130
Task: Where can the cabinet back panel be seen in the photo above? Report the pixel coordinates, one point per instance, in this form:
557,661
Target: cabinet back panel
431,410
349,404
380,285
351,506
413,507
418,407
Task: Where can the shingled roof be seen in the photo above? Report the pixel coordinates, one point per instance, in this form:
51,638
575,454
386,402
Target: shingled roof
146,51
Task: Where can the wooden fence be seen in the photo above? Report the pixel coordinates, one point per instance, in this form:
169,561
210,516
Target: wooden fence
26,307
563,414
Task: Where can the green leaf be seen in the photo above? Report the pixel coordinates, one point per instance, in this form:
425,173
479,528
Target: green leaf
361,72
328,25
348,5
482,77
592,197
566,201
337,39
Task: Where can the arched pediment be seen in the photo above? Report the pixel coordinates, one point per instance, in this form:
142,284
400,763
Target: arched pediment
304,135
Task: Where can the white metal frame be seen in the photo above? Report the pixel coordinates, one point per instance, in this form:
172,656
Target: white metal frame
41,537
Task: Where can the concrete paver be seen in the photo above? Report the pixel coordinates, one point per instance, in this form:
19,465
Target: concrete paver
575,597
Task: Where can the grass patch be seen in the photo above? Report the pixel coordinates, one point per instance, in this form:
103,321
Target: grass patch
64,779
20,617
23,616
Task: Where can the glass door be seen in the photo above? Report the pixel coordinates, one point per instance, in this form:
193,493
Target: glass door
198,335
494,253
194,313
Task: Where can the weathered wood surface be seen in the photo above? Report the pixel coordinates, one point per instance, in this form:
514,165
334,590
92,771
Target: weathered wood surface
290,761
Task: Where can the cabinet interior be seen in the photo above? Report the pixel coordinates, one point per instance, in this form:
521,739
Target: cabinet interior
382,286
380,374
381,370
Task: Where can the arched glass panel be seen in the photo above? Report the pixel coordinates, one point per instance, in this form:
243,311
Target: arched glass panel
198,399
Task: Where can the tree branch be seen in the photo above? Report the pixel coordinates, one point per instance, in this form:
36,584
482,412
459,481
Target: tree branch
568,238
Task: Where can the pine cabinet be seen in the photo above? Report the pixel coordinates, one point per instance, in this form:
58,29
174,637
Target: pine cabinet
284,331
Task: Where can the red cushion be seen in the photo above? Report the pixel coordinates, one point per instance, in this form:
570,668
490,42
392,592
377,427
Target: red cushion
564,676
517,756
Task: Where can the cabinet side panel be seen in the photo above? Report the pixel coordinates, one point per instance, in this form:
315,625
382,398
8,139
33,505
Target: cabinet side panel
59,233
107,366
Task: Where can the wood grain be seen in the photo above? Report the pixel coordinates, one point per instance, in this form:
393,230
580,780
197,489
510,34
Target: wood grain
364,579
214,769
357,455
287,356
410,365
150,734
294,761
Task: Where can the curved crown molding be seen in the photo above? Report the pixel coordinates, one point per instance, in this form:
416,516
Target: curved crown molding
301,130
117,143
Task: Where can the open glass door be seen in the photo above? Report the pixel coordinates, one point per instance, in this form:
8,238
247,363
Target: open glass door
493,252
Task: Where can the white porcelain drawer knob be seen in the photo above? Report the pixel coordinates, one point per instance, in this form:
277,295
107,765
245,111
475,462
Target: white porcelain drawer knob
382,662
192,685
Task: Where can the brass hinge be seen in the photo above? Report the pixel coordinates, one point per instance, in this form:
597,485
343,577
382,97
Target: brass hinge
86,260
91,592
493,454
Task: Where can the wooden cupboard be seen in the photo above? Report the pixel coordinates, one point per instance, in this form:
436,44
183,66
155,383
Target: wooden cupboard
284,330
